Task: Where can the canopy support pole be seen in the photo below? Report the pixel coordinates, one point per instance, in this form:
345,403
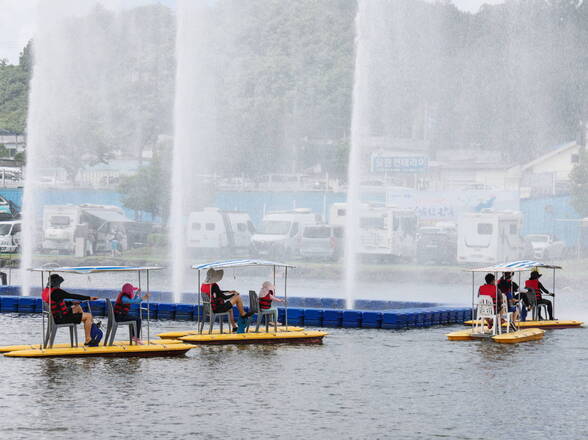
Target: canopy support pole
43,311
553,292
473,288
148,310
198,295
285,292
140,308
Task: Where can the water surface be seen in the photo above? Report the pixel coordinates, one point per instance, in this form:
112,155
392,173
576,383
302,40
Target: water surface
359,384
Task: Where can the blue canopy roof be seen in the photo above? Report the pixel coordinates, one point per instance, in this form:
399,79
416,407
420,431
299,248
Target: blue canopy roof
515,266
95,269
238,263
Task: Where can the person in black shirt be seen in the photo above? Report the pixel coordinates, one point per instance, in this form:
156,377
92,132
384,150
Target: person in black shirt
508,287
66,312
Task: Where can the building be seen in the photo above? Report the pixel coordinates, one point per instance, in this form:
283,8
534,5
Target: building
549,174
13,142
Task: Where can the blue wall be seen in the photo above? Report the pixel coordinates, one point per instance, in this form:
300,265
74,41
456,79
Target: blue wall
541,216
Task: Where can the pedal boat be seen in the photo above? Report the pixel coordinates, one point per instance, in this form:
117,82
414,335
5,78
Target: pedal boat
285,334
151,348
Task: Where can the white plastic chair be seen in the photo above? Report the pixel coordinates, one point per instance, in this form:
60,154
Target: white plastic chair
504,313
485,310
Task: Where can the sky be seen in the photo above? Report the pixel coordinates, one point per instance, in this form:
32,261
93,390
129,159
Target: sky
18,17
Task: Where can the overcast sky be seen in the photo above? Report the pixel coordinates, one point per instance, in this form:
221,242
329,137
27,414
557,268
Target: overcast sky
17,20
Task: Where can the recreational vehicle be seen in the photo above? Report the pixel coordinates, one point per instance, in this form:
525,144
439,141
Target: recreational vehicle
223,232
10,236
385,232
490,237
280,234
83,229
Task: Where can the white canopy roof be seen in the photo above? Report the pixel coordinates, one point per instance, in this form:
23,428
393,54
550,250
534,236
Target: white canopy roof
95,269
238,263
515,266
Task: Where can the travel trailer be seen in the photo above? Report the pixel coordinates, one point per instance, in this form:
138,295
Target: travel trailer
490,237
280,234
213,231
83,229
386,232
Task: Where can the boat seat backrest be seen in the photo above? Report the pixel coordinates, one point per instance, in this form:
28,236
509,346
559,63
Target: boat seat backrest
253,301
485,306
531,297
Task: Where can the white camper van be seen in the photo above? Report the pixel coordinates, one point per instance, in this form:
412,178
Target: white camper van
386,232
59,226
10,236
281,232
224,232
490,237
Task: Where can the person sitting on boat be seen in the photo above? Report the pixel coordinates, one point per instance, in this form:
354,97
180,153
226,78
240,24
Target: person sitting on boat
509,288
267,296
127,296
535,286
222,301
491,289
65,312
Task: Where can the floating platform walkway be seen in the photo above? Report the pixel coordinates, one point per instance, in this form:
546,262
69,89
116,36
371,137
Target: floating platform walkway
147,350
549,325
529,334
290,337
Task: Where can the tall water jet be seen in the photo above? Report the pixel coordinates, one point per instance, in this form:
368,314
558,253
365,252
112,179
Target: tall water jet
369,15
194,124
92,69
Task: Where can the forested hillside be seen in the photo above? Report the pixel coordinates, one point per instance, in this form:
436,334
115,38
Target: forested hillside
512,78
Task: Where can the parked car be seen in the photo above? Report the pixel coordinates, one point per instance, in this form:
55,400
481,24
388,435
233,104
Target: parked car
544,247
322,242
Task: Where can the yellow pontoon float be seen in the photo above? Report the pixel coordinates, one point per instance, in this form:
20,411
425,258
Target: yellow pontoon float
117,349
281,334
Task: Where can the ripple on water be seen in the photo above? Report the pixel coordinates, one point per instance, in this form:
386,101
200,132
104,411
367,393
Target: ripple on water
360,383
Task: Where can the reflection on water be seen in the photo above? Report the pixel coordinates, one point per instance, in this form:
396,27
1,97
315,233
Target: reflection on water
359,384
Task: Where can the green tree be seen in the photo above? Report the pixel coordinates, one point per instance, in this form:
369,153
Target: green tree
148,190
579,179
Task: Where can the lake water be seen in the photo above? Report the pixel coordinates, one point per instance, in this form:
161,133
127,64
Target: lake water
359,384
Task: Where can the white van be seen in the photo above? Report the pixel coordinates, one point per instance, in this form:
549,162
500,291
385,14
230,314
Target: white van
222,232
10,236
490,237
281,232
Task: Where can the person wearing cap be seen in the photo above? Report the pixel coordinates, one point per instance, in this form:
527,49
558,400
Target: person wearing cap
222,301
65,312
126,297
534,286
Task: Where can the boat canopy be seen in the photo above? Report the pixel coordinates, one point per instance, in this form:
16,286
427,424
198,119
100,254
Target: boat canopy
238,263
95,269
515,266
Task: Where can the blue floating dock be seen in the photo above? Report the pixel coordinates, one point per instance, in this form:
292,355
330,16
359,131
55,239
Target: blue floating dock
312,312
